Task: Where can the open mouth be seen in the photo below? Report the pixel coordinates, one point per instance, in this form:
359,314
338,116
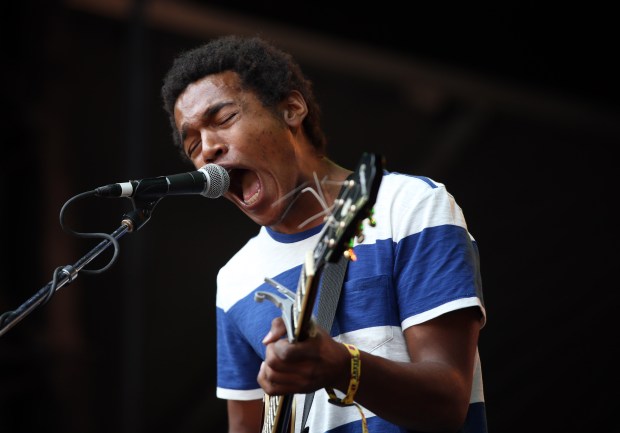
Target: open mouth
245,185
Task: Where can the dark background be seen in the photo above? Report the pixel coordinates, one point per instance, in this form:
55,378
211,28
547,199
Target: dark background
513,106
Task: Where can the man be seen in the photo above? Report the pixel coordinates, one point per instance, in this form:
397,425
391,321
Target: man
411,306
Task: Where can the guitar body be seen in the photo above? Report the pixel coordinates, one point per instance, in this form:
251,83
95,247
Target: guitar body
352,206
278,414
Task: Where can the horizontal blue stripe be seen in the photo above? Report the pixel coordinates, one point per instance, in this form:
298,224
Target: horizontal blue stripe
391,282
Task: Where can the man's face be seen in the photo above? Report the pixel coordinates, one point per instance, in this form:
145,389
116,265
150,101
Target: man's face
220,123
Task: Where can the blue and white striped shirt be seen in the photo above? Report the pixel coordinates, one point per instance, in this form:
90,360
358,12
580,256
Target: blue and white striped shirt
417,263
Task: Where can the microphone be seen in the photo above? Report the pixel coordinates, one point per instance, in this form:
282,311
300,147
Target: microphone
210,181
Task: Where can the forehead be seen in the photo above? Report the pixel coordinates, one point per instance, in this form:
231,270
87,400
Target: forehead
207,91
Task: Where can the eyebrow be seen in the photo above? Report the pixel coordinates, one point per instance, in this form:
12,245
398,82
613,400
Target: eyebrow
209,112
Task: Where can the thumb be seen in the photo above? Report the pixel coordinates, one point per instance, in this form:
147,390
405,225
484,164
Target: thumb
277,331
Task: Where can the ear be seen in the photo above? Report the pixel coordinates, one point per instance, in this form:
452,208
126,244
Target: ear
295,109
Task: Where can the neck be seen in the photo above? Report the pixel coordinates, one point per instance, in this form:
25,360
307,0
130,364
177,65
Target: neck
314,197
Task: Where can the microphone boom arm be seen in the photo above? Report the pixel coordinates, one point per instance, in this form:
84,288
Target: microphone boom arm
131,222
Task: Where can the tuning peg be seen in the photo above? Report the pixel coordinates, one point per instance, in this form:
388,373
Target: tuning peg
350,254
371,219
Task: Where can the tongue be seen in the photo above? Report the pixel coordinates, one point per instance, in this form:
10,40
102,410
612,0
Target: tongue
250,185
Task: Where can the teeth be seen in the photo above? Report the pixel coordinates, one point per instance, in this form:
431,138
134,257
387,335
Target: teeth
253,199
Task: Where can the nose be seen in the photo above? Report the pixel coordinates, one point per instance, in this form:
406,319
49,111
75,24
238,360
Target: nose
212,148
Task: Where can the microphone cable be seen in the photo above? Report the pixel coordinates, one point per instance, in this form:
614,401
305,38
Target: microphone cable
69,271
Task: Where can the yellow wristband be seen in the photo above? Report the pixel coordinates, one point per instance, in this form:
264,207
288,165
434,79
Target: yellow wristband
354,382
356,371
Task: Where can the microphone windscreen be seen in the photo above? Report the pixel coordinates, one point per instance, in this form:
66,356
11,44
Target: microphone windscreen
218,180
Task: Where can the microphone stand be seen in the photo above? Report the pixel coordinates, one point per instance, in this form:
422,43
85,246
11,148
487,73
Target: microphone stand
131,222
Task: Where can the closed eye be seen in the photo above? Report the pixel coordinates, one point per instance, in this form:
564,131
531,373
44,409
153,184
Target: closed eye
227,118
192,148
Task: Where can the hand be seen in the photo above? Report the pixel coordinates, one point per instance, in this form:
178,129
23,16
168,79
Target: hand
303,366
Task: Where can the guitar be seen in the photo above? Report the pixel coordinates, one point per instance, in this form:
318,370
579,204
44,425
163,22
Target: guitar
345,223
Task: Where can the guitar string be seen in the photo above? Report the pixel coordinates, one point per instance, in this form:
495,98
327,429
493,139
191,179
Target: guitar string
274,404
303,188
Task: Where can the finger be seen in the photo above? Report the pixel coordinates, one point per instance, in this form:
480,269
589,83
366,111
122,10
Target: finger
277,331
295,358
277,382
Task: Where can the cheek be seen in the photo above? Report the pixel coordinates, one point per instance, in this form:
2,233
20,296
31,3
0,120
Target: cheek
263,135
269,142
198,161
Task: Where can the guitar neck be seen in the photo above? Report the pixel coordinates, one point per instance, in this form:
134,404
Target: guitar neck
305,298
279,413
351,207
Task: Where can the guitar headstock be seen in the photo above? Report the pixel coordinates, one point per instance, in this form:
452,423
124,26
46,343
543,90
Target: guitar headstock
352,206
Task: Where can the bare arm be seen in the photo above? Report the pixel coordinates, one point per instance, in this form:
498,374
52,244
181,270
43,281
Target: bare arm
430,393
245,416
